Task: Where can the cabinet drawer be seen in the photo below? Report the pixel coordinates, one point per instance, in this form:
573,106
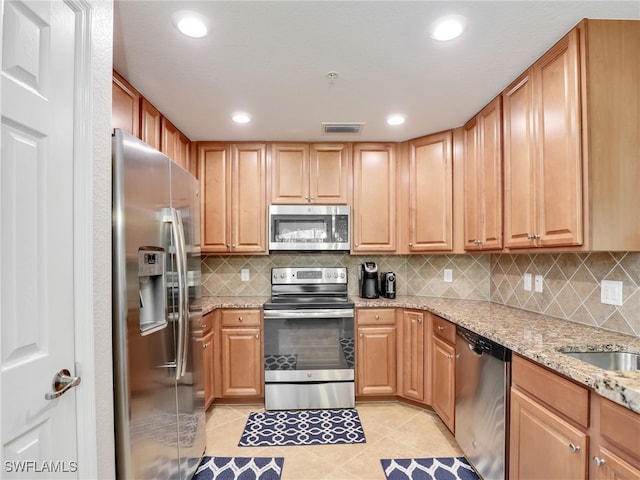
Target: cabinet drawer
206,323
620,426
240,318
561,394
444,329
376,316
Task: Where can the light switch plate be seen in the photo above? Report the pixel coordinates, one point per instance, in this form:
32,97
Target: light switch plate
244,275
448,275
539,283
611,292
527,282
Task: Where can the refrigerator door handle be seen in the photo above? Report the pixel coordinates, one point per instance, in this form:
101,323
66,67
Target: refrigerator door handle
178,242
185,297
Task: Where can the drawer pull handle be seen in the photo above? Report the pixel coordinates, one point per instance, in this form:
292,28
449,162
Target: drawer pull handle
574,448
599,461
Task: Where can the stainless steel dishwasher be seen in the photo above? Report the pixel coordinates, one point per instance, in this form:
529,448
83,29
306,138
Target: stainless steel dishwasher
483,379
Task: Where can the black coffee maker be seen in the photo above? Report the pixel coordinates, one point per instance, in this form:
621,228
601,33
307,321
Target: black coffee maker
368,277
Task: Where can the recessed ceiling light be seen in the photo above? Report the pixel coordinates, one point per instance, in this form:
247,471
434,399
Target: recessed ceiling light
191,24
396,119
448,28
241,117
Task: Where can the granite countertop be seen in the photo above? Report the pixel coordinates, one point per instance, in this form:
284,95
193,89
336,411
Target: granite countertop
529,334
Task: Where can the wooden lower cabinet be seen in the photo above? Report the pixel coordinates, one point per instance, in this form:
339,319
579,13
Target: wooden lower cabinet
413,355
376,361
241,366
444,381
207,361
609,466
544,445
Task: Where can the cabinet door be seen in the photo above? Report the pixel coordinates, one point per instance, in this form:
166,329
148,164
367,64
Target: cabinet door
609,466
169,136
431,193
483,179
183,152
519,169
215,178
557,94
125,106
374,198
289,174
241,362
150,124
207,360
443,391
376,360
413,355
329,173
248,202
543,445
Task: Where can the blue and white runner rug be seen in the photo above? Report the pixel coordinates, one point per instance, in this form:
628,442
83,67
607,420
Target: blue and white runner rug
302,427
443,468
239,468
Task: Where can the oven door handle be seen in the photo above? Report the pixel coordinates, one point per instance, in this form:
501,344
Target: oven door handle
324,313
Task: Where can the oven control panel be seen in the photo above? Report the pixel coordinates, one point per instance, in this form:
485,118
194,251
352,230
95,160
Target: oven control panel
302,275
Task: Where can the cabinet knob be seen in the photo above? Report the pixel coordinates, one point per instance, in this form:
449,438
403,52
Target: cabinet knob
598,462
361,335
204,325
440,328
313,198
419,320
240,318
356,244
233,245
377,317
257,336
574,448
450,357
411,244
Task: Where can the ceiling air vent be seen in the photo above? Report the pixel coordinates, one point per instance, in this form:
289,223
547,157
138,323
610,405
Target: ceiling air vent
342,127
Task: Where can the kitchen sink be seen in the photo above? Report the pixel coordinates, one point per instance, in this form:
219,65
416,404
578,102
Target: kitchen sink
609,360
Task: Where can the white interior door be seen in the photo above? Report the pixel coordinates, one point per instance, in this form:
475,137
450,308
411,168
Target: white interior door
39,44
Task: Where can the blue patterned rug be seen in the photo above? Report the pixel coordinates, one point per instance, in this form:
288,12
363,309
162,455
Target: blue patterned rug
239,468
302,427
443,468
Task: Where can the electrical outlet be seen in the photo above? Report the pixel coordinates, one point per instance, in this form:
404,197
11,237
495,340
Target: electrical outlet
611,292
527,282
539,283
448,275
244,275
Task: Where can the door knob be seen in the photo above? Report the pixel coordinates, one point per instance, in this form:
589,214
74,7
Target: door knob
62,382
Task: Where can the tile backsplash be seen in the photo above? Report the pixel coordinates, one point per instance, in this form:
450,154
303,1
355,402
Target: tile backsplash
571,286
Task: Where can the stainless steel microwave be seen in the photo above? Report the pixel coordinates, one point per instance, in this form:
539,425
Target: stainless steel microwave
309,227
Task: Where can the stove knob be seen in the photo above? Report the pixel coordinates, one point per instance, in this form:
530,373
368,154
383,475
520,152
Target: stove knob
335,274
341,274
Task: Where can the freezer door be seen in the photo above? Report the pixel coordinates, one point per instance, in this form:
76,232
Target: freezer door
143,325
191,416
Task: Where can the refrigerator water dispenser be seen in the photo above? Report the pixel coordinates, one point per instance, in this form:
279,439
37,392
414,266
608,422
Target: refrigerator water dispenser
153,289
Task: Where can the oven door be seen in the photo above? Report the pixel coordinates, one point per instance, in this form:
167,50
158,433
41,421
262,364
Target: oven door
309,359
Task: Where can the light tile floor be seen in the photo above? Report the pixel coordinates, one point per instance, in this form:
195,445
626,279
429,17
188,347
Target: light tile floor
392,430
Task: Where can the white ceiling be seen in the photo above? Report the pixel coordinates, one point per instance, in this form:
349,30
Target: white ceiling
272,58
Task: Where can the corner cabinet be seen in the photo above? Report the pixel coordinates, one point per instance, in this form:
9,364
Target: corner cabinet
413,355
428,170
374,198
233,189
483,179
310,173
376,363
571,143
443,364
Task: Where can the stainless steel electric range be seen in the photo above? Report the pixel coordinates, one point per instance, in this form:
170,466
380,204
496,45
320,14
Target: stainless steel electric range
308,340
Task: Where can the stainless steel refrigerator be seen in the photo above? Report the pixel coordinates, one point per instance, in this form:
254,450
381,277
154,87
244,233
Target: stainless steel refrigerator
159,387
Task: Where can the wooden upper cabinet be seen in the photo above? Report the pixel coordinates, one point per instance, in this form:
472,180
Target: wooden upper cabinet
175,144
150,120
125,106
543,162
571,143
310,173
430,170
483,179
374,198
233,197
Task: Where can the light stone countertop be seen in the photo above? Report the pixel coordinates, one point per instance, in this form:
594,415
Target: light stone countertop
532,335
